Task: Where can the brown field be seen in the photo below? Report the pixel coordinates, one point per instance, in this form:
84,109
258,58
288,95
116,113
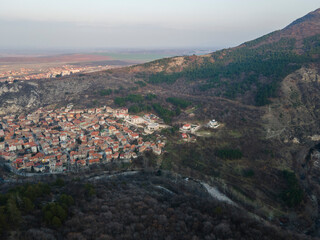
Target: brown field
68,58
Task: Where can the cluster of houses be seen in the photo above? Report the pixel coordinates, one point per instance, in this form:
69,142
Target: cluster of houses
187,129
65,139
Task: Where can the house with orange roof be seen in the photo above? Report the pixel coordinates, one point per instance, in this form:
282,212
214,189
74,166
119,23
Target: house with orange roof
184,136
92,110
34,147
115,155
115,148
127,155
94,161
102,121
28,164
58,166
94,134
134,135
74,155
104,146
2,145
142,149
12,147
108,151
186,127
8,156
81,162
156,150
109,157
96,126
63,136
137,120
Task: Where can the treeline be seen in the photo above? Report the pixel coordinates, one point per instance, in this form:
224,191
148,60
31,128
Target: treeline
179,102
139,108
138,103
132,98
164,113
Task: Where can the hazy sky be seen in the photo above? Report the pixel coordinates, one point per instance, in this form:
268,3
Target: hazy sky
143,23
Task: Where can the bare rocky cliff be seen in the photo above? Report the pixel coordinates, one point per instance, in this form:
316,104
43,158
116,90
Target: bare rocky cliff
17,97
294,115
80,90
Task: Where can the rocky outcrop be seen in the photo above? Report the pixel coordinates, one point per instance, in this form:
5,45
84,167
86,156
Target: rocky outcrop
294,116
79,90
17,97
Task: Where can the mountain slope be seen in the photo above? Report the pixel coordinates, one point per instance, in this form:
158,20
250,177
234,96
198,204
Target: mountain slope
250,72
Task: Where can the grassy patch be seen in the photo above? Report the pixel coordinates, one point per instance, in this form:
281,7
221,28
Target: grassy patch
235,134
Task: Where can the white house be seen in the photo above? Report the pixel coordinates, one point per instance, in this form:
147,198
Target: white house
213,124
153,126
137,120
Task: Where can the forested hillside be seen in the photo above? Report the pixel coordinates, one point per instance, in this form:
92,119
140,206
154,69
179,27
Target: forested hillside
255,68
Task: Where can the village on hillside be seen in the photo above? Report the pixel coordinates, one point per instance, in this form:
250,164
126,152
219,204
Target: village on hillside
67,139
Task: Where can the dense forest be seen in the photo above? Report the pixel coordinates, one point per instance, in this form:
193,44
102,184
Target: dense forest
142,206
36,199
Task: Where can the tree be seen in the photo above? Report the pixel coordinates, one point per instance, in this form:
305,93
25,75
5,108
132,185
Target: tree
56,222
27,205
13,212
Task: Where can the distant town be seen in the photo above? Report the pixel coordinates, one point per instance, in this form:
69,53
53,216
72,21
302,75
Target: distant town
67,139
53,72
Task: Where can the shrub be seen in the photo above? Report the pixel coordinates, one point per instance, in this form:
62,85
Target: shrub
105,92
141,83
56,222
179,102
292,195
227,153
248,173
